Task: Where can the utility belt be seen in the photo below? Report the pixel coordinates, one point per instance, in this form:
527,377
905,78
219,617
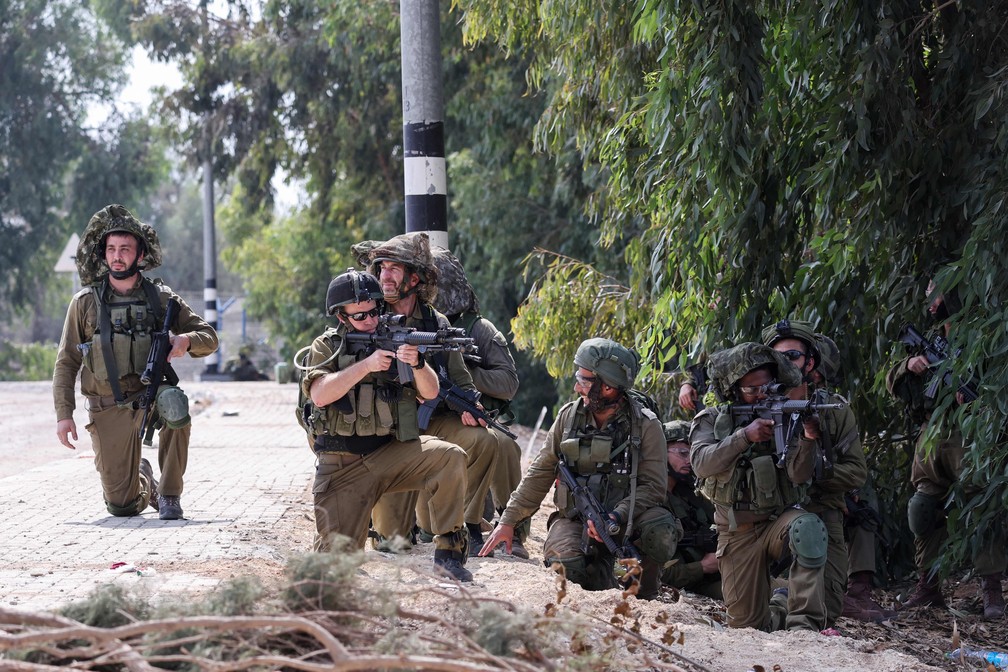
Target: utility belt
100,403
348,445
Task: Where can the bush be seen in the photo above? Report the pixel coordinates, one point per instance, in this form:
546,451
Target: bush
30,361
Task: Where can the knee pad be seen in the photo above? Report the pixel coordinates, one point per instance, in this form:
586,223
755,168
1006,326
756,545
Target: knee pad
595,575
923,513
659,536
173,406
809,540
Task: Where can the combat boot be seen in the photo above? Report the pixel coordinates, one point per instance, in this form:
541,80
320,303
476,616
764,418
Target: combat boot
450,560
169,507
927,593
993,600
650,580
148,473
476,540
858,603
518,549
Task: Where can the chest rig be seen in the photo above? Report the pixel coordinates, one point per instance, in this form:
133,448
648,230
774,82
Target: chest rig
122,339
755,484
604,460
376,411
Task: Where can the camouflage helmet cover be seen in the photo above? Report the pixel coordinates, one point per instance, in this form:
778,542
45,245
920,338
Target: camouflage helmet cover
351,286
726,367
410,249
798,329
676,431
91,265
829,357
455,295
616,365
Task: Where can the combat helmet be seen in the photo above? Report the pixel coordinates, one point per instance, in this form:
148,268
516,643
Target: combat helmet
616,365
455,295
798,329
726,367
410,249
676,431
829,358
352,286
91,265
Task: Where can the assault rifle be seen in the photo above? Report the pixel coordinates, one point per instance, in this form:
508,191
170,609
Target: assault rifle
698,378
460,401
158,371
936,352
393,332
590,509
704,540
787,415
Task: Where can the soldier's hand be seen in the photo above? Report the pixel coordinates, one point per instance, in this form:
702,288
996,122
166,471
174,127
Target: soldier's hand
709,563
179,346
501,534
760,429
470,420
918,365
687,396
65,427
379,360
811,428
408,354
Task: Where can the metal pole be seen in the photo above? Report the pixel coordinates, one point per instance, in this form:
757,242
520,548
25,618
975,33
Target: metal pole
426,181
209,248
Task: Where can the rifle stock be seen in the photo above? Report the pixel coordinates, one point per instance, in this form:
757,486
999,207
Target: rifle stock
157,371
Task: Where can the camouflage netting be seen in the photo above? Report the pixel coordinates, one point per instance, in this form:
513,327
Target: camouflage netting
726,367
676,431
410,249
829,358
455,295
91,250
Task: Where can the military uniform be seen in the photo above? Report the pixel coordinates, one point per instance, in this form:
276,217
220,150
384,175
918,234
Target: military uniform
371,447
628,479
132,318
696,515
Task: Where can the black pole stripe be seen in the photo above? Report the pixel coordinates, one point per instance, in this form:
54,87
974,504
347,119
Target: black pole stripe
428,212
424,139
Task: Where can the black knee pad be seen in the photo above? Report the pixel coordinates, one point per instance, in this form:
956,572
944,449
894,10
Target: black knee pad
924,513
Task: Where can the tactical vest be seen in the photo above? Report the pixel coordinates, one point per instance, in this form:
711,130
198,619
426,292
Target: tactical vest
605,460
467,320
756,484
123,335
377,410
692,513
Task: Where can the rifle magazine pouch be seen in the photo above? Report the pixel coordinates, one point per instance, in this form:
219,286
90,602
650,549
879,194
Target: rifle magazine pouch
345,419
406,428
173,406
766,495
141,350
365,410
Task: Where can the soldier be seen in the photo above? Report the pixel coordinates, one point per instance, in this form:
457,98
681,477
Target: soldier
756,502
842,465
696,565
364,433
616,448
861,518
408,277
108,331
935,470
493,372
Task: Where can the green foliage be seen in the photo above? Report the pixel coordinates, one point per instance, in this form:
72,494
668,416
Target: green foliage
32,361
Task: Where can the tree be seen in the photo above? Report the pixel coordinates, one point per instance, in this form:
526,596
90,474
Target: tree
765,160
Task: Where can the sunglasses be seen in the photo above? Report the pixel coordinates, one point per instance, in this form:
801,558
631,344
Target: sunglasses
361,316
584,380
793,355
758,389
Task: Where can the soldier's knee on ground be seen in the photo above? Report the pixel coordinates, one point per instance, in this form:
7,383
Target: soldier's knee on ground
593,575
129,509
924,512
660,532
809,540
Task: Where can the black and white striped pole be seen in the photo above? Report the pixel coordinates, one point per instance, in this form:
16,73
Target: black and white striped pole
426,180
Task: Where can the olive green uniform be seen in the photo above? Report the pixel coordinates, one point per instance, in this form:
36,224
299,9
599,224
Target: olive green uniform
696,515
606,464
114,429
396,513
826,494
373,447
933,475
753,534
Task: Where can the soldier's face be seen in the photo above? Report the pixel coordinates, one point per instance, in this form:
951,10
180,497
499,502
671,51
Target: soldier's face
937,300
592,390
394,278
678,458
121,251
361,316
789,346
754,379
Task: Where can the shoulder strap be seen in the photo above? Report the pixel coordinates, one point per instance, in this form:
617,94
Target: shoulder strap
466,321
105,341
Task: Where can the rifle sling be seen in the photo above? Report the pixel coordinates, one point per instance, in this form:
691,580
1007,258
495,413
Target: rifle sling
105,340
